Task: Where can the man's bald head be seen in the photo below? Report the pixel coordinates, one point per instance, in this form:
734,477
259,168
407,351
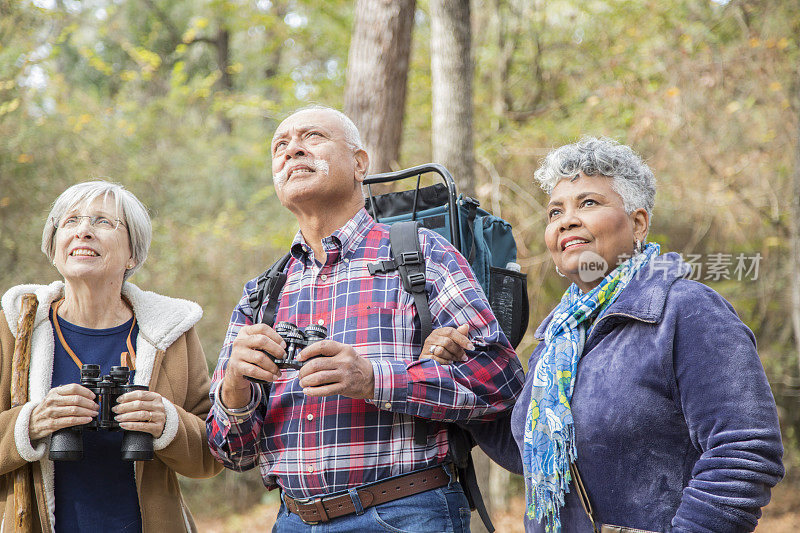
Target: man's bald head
351,135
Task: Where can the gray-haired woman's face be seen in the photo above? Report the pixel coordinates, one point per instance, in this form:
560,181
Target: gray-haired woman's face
588,231
99,253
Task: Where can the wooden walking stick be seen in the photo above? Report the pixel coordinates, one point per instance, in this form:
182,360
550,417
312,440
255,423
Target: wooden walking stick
23,506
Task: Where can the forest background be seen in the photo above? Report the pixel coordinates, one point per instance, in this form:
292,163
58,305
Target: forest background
178,99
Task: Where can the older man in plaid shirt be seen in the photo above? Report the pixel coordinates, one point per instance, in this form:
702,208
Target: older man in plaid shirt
337,436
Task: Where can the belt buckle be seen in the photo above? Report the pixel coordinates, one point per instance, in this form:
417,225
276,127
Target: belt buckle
305,501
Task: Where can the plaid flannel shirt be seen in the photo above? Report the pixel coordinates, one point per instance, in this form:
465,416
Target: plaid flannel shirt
313,446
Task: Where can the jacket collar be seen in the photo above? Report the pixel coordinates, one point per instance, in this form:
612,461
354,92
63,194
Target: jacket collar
646,294
161,319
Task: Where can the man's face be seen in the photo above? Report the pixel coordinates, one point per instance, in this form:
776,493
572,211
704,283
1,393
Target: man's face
311,159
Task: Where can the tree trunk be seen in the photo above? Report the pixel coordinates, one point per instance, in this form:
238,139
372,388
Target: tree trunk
794,236
377,70
276,54
451,74
223,62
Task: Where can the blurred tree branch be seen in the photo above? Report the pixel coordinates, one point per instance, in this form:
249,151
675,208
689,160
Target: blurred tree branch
784,228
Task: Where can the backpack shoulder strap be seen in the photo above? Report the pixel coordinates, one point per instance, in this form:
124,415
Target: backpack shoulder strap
407,252
410,262
407,258
269,285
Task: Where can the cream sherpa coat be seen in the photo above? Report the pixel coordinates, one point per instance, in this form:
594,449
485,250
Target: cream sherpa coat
169,360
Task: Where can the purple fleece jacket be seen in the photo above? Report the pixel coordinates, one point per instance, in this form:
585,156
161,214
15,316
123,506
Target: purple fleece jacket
675,423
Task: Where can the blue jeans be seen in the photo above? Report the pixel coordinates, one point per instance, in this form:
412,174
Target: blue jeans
442,510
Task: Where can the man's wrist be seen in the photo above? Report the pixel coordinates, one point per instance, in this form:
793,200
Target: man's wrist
238,414
368,392
235,400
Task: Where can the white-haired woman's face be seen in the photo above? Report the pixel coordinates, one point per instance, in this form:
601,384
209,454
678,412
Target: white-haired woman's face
588,231
92,253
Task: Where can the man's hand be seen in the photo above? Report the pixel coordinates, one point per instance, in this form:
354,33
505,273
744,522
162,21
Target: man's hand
340,370
447,345
249,358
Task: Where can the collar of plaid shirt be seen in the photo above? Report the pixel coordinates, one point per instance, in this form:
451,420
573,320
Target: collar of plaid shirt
341,242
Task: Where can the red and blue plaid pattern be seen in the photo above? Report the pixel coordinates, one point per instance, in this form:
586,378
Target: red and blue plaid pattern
312,446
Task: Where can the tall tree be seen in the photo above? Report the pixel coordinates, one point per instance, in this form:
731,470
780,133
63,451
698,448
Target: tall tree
794,248
451,101
377,70
451,94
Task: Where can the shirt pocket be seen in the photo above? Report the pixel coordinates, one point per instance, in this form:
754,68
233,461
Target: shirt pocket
379,330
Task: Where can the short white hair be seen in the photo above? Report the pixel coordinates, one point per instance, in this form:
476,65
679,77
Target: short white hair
631,178
130,210
351,135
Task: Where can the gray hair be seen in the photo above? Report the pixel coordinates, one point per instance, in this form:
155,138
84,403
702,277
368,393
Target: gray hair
631,178
131,211
351,135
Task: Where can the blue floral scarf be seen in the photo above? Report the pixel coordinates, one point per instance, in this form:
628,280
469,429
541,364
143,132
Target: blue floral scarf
549,437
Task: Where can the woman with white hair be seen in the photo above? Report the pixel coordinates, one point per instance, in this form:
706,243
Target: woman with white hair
97,235
645,386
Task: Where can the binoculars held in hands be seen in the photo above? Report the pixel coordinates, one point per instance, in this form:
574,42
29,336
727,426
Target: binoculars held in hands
296,339
67,444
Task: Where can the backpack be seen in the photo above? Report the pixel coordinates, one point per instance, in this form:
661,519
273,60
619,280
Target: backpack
485,240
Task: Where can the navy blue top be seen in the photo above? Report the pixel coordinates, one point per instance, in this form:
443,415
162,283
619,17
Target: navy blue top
97,493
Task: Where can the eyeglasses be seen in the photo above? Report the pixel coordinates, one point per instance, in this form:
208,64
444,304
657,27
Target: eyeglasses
98,222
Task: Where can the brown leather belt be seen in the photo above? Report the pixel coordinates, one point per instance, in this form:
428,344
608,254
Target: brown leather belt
316,510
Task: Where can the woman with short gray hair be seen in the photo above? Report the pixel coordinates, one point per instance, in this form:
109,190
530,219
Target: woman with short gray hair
631,178
645,407
92,324
136,219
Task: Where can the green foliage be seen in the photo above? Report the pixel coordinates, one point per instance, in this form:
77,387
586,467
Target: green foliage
131,92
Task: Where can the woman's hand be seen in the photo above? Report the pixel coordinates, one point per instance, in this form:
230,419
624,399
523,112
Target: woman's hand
64,406
447,345
141,410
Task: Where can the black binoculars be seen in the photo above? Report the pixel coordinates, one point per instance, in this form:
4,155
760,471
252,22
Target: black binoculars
67,444
296,339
